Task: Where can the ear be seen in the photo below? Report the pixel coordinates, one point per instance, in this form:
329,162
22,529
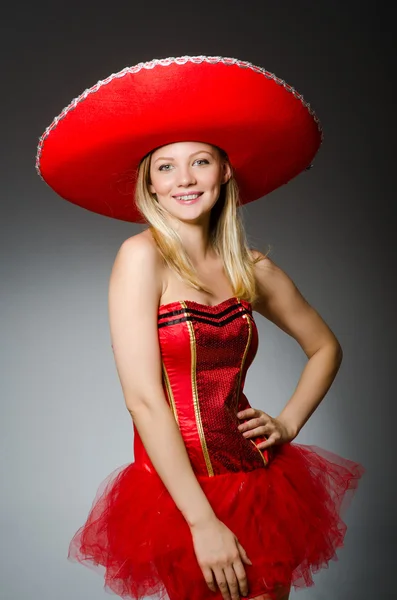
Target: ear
227,172
151,188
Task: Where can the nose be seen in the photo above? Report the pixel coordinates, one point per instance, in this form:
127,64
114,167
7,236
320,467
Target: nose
186,177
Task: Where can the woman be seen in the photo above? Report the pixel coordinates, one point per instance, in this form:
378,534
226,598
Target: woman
218,502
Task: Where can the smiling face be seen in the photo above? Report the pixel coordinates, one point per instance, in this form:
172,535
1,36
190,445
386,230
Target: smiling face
187,178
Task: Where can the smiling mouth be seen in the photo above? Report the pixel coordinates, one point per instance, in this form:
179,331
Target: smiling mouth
188,197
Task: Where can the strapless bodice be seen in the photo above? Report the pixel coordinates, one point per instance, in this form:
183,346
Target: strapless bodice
206,352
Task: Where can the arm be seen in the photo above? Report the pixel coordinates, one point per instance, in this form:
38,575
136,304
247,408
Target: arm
134,294
281,302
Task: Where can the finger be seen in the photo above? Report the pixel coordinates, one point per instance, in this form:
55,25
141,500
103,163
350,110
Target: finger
257,421
241,577
256,432
240,571
232,581
209,578
243,554
273,439
247,413
252,423
222,583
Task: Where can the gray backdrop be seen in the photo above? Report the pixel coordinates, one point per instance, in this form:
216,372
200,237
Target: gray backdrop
64,425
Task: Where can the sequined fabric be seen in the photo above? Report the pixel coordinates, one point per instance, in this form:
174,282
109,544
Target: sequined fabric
206,352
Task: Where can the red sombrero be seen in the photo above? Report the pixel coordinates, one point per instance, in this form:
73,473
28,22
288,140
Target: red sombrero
90,153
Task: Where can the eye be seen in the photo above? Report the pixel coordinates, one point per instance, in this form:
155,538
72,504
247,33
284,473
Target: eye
162,167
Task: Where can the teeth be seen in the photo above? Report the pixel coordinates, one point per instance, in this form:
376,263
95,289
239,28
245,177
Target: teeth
191,197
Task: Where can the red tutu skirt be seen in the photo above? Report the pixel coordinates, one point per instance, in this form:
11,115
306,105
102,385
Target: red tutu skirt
287,516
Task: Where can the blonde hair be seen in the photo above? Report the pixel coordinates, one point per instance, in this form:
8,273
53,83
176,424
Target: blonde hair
227,235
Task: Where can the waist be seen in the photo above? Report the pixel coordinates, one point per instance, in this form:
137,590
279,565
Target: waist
216,454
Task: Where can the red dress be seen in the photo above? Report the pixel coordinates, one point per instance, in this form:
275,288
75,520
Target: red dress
285,505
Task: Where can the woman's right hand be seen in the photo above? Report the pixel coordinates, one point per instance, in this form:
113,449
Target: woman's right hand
220,554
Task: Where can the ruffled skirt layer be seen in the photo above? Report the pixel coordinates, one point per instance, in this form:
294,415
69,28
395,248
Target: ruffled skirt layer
288,517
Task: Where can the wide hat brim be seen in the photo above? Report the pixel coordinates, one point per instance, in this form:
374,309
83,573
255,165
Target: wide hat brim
91,152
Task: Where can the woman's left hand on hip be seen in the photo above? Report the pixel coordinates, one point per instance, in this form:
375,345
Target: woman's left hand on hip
258,423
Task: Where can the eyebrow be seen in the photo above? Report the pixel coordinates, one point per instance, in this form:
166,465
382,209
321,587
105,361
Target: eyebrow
170,157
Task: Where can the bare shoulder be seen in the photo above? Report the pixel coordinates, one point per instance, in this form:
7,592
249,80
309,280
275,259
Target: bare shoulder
280,301
140,245
277,292
138,256
268,275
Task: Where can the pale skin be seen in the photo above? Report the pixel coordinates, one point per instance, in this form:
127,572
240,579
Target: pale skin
135,293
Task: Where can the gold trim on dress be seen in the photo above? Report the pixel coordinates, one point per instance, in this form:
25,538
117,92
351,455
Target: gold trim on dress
248,320
243,358
196,405
170,393
260,452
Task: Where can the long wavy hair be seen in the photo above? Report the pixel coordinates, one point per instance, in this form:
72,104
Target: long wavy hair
227,235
